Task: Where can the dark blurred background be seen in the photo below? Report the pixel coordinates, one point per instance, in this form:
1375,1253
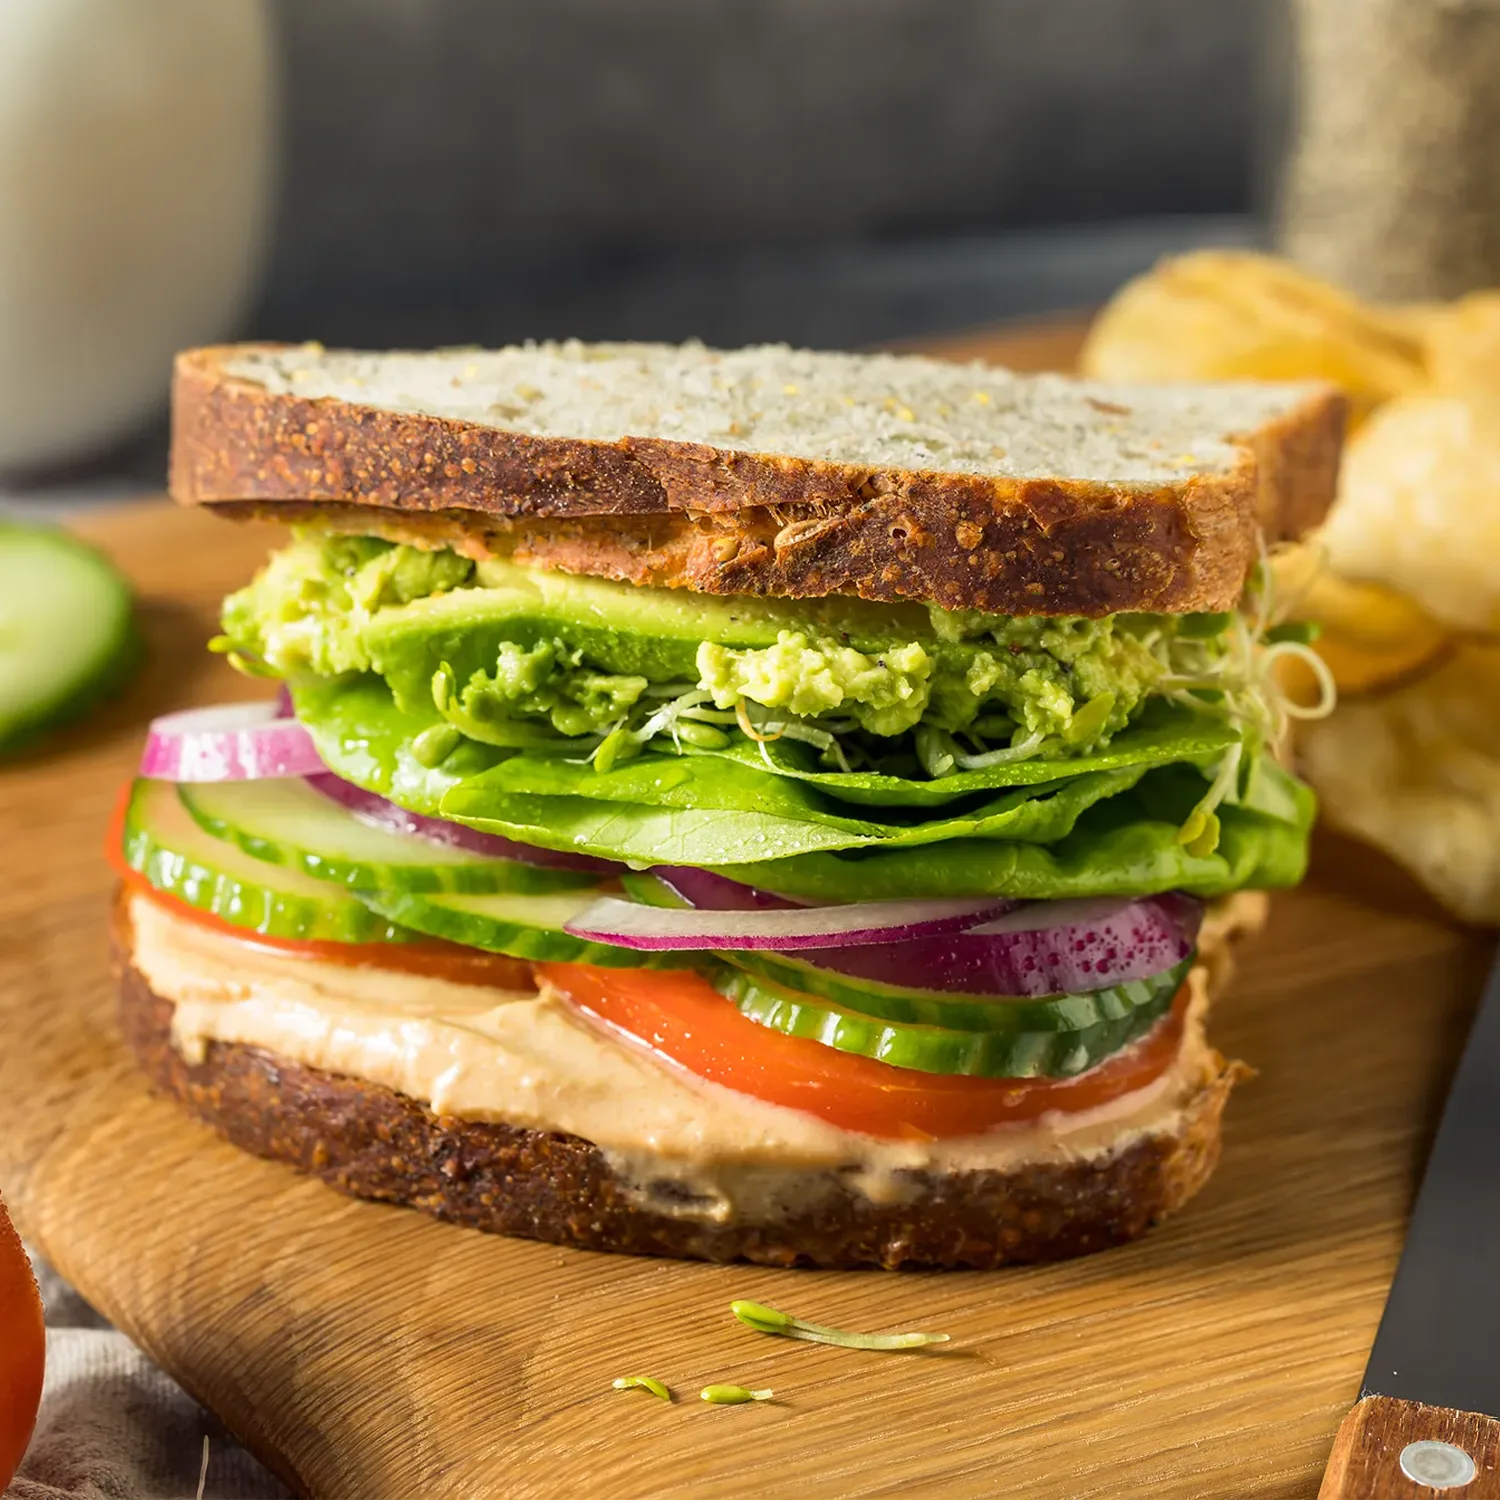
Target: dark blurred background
409,172
831,172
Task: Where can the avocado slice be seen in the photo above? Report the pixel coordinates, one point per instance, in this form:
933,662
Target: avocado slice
616,627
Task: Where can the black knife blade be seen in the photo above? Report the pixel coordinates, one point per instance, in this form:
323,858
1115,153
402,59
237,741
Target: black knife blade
1428,1419
1439,1338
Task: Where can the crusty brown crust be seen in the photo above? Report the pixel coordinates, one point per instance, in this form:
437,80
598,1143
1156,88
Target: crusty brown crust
1297,467
718,521
367,1140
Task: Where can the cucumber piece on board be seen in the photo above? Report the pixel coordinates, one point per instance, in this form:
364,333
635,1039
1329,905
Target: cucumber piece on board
522,926
934,1049
67,636
954,1012
285,821
170,850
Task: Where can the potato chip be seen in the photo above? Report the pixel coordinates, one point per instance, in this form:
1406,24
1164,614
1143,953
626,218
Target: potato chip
1462,340
1419,508
1236,315
1371,637
1415,319
1417,773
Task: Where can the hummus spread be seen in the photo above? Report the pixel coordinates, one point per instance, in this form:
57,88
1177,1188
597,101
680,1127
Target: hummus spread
523,1058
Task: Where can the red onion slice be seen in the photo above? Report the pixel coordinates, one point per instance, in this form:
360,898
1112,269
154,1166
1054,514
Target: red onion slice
629,925
230,742
1042,948
370,807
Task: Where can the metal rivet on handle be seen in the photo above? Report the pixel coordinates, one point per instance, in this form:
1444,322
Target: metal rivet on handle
1440,1466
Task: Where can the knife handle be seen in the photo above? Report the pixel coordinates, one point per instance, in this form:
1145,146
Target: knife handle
1373,1457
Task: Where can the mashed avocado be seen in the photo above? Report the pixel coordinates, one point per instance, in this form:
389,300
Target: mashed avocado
1040,674
307,608
544,681
506,653
882,694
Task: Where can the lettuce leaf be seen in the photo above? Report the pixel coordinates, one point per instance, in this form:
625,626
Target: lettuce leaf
1163,734
695,812
1113,850
1107,824
363,737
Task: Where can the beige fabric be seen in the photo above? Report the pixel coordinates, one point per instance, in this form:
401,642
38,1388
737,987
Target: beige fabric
114,1427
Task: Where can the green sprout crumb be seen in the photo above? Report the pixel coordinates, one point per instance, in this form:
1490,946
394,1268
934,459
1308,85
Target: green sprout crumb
644,1383
768,1320
732,1395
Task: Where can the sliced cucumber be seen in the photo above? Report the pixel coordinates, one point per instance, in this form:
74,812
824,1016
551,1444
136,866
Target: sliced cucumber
952,1012
934,1049
286,822
523,926
171,851
644,887
66,632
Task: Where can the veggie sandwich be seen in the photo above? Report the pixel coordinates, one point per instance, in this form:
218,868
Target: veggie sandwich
759,804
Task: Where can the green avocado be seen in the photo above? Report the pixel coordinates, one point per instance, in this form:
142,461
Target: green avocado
616,628
525,658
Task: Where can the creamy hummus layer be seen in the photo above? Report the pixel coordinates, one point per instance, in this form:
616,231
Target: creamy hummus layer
529,1059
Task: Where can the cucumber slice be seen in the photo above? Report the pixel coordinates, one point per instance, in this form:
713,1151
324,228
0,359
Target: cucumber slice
286,822
66,633
523,926
934,1049
644,887
908,1007
166,846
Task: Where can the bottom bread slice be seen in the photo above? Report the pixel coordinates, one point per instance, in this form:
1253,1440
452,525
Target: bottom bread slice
367,1139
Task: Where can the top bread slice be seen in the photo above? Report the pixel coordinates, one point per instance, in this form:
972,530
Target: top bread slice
770,470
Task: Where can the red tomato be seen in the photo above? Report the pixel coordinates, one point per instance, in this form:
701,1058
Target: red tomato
681,1017
22,1347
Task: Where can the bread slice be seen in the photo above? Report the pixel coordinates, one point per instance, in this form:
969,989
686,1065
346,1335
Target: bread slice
370,1141
771,470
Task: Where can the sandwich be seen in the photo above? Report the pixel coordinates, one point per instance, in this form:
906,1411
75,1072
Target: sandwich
763,804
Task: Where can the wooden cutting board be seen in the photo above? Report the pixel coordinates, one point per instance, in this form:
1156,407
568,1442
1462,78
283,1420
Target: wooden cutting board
366,1351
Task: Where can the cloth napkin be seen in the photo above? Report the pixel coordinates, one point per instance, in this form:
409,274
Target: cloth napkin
114,1427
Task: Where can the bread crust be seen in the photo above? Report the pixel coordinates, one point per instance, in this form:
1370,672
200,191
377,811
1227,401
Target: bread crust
719,521
369,1141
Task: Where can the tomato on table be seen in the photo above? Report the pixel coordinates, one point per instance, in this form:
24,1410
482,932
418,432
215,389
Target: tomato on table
682,1018
22,1350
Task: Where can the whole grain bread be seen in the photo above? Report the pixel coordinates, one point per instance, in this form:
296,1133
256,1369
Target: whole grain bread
769,470
369,1141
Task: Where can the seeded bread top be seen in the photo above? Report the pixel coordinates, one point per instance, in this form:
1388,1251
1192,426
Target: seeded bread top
881,411
770,471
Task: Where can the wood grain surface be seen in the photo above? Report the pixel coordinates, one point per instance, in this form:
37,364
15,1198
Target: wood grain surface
366,1351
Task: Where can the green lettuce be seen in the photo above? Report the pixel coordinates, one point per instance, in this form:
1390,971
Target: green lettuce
1114,850
1104,825
1163,733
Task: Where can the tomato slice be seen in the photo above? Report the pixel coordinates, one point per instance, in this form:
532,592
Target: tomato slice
683,1019
433,958
22,1347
